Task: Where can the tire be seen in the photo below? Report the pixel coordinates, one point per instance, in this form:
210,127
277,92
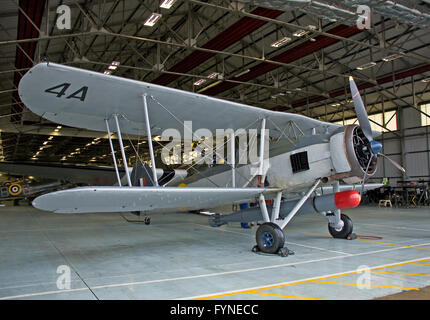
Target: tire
270,238
346,230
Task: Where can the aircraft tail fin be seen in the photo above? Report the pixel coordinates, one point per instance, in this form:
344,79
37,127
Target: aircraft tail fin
141,175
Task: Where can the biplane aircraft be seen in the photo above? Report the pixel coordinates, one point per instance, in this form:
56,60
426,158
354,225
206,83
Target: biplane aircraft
300,164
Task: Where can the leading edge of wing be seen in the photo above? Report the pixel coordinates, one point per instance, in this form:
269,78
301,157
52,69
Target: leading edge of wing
124,199
84,99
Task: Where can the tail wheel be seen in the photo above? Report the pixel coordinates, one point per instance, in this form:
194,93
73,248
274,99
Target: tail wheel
346,229
270,238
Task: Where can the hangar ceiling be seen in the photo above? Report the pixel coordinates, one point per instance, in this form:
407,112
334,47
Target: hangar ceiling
219,48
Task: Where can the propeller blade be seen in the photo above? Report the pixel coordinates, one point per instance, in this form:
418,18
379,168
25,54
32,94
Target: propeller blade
394,163
360,110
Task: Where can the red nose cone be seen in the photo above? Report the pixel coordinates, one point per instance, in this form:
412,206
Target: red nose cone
347,199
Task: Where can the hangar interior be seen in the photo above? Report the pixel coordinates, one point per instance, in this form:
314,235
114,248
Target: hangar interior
287,56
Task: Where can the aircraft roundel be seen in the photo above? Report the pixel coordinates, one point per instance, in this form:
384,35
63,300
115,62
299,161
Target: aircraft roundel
15,189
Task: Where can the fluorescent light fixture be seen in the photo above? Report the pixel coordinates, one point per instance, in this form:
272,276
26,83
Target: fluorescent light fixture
301,33
107,72
280,42
199,82
51,137
366,66
426,80
152,20
213,75
393,56
167,4
59,127
114,65
45,143
242,73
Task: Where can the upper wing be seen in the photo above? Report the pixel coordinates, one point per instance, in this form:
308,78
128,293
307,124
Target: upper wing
71,173
84,99
93,175
124,199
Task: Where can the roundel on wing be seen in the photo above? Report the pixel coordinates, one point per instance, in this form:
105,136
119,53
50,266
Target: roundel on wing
15,189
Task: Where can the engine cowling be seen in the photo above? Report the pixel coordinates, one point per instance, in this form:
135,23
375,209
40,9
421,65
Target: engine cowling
350,152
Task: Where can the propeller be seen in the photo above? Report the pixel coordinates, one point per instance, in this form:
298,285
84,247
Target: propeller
363,120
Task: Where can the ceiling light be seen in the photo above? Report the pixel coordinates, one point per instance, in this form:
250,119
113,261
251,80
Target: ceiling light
366,66
107,72
280,42
301,33
425,80
167,4
242,73
45,143
51,137
152,20
213,75
199,82
393,57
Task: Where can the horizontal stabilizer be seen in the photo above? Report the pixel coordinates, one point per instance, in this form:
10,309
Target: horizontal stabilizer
123,199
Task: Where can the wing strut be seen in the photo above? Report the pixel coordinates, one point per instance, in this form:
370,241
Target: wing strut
124,158
299,204
113,153
148,133
233,160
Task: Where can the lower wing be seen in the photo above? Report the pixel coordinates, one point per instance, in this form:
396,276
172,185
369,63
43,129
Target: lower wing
124,199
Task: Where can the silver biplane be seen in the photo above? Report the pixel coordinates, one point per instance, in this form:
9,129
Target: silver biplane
301,176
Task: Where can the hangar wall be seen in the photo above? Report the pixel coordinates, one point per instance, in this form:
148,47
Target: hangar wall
411,150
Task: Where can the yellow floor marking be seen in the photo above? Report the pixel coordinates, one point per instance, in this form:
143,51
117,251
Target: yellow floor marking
365,285
403,273
284,295
394,244
421,264
311,280
374,241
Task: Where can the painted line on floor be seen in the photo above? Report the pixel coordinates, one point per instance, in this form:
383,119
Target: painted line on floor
422,264
363,285
283,295
213,275
395,244
403,273
391,227
296,282
366,240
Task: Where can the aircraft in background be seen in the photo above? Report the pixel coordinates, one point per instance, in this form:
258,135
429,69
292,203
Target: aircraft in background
307,157
17,191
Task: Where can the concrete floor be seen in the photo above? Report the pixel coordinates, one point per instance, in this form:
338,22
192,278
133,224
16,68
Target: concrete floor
180,257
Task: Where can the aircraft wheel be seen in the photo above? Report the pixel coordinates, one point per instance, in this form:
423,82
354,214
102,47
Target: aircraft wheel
270,238
147,220
345,231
